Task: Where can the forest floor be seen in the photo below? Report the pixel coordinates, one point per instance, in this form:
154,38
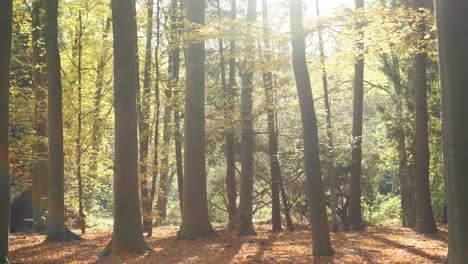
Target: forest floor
387,244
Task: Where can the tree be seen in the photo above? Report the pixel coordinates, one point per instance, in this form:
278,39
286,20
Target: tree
173,70
318,215
6,17
39,166
127,236
156,121
354,220
195,219
453,39
230,133
143,118
424,214
247,135
275,169
56,207
331,147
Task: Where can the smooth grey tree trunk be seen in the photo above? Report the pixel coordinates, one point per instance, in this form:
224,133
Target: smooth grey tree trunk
354,220
331,146
6,17
247,135
453,40
144,119
425,223
318,215
195,219
275,169
127,236
231,185
56,207
39,164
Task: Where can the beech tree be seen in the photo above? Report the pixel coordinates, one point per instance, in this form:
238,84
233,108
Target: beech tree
424,214
6,16
39,165
127,235
247,135
453,40
56,206
195,219
316,198
354,220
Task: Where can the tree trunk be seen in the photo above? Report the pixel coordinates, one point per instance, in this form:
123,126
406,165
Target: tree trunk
144,127
391,69
424,215
286,207
247,135
56,210
127,236
275,169
177,108
79,151
354,220
6,17
230,132
156,122
331,146
195,219
173,70
318,214
97,132
39,166
453,40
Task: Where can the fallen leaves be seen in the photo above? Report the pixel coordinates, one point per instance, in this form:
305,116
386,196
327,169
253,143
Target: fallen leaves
389,244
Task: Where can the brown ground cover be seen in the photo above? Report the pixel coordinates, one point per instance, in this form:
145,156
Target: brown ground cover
389,244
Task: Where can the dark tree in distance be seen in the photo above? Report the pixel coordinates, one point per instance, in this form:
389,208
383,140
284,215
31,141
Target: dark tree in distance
127,236
275,169
230,133
316,197
331,146
6,17
144,118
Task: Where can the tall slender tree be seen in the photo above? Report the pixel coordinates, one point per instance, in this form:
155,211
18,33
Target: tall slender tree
275,169
354,220
56,207
79,145
247,134
144,119
156,121
173,70
6,17
316,197
127,236
39,165
424,214
453,40
331,146
230,132
195,219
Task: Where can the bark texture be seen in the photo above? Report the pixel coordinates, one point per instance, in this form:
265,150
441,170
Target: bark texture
453,40
6,14
318,214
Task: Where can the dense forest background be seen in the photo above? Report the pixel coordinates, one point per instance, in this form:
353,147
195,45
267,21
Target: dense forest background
389,104
376,105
